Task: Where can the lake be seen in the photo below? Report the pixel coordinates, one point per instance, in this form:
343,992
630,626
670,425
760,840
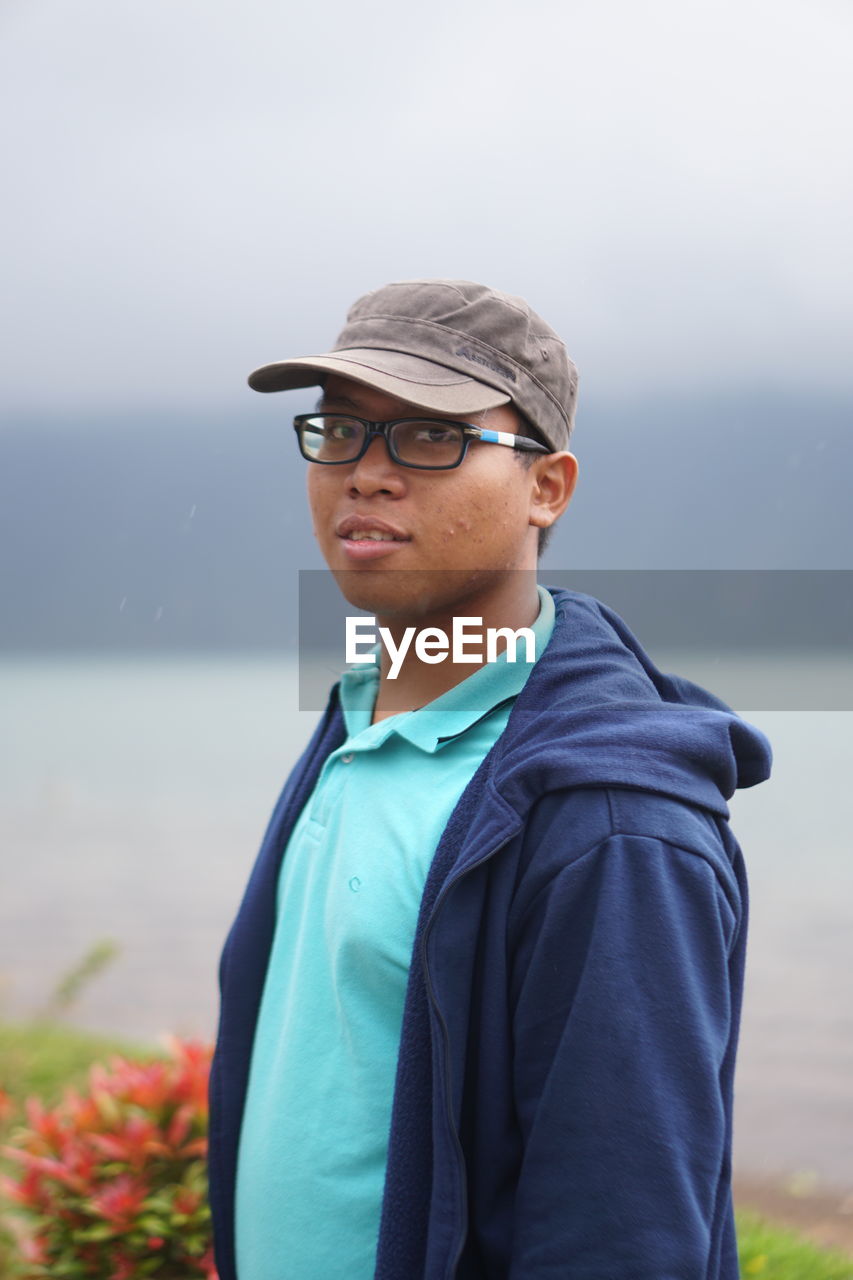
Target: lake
133,795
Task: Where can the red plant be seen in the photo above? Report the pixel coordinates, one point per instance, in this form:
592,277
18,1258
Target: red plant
112,1184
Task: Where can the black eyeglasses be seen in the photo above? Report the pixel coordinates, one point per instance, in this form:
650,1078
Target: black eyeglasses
429,444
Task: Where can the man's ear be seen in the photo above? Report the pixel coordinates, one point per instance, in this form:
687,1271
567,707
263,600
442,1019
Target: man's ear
554,478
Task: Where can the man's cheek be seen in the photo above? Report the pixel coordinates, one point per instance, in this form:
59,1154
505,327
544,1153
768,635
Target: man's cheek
456,530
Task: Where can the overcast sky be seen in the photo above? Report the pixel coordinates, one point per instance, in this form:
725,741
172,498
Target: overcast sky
193,187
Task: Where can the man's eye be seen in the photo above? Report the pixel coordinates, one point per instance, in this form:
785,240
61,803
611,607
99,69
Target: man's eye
434,433
339,430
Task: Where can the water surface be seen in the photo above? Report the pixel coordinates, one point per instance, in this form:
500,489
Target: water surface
133,795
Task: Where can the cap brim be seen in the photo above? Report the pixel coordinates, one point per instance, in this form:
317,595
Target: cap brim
410,378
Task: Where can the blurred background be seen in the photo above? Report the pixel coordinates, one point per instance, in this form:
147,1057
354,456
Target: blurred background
195,188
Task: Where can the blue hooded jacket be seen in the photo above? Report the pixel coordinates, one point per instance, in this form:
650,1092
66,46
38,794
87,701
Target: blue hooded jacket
563,1100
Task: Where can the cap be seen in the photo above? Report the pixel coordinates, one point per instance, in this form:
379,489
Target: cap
451,346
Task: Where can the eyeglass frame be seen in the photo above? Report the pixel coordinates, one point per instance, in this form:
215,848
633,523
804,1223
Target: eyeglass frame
469,432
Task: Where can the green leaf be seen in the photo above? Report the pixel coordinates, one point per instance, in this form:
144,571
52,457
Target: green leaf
99,1231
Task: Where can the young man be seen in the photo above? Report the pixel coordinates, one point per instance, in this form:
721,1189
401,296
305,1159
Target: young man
480,1004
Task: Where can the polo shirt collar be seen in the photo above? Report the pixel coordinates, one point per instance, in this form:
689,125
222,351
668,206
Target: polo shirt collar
455,711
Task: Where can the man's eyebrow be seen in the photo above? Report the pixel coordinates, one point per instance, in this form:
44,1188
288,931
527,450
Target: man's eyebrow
345,400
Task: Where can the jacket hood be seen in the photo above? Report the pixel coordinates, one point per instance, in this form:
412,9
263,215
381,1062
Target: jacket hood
617,720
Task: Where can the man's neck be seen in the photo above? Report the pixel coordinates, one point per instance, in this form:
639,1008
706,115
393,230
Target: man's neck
417,683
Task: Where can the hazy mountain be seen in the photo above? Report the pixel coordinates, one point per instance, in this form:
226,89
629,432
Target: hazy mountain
138,534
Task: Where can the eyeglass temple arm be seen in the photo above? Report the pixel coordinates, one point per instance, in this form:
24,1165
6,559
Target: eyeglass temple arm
507,438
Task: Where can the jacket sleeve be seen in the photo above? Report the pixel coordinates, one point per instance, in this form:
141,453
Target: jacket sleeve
625,1025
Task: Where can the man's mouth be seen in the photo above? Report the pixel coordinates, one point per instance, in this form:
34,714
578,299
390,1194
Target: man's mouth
364,529
372,535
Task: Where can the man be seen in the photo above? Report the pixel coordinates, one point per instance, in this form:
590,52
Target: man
480,1003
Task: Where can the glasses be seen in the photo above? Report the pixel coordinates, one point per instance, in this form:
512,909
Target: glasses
429,444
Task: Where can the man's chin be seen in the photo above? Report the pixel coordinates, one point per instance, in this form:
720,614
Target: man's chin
409,593
385,592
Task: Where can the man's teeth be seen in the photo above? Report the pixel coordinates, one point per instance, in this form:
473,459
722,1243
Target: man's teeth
372,534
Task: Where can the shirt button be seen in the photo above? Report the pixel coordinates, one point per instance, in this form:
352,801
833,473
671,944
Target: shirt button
348,758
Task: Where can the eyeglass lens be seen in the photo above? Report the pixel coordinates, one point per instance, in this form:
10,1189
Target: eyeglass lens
427,443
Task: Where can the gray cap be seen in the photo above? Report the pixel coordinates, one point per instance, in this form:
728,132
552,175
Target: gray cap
447,345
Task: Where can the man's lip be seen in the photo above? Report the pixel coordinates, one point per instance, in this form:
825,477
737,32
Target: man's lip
354,525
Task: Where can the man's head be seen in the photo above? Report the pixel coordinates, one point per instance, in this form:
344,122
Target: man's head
455,353
451,346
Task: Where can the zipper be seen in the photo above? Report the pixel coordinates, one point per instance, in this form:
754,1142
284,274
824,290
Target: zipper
448,1092
503,702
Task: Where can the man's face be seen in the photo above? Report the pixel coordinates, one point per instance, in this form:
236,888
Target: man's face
461,535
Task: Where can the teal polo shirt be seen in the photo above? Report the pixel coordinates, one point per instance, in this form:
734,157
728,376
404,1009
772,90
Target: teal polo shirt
314,1137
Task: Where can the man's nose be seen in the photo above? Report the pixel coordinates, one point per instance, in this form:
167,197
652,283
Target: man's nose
376,470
